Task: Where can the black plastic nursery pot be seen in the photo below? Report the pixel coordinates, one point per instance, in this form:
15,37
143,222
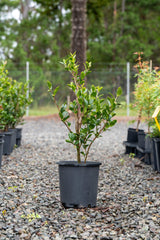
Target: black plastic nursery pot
13,140
132,135
153,155
78,183
1,136
1,151
157,152
132,141
148,146
18,136
8,142
141,145
141,139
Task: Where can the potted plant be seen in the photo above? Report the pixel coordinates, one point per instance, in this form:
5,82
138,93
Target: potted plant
132,134
13,101
146,100
1,139
1,150
93,115
6,104
20,103
155,147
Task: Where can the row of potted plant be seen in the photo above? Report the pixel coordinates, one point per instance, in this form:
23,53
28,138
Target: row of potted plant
146,144
13,103
92,116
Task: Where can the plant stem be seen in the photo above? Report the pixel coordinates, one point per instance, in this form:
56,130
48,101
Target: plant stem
77,128
148,120
78,154
77,121
139,118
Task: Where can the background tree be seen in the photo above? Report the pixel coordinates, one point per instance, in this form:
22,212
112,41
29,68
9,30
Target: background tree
115,29
78,42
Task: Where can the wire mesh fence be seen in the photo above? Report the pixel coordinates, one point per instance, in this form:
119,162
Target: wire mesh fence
110,78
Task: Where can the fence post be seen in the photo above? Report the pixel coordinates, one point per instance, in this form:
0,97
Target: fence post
150,63
128,87
27,80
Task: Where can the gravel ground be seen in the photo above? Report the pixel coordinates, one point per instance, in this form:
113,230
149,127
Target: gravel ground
128,204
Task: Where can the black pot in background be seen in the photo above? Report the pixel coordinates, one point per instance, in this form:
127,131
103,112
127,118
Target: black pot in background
8,140
157,154
78,184
141,139
19,132
1,136
148,146
13,143
153,155
141,145
1,151
18,136
133,134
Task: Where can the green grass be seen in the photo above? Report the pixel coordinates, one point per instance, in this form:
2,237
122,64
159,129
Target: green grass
123,112
42,111
49,110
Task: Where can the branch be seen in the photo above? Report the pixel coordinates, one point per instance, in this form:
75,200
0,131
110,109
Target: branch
139,118
67,126
97,135
59,112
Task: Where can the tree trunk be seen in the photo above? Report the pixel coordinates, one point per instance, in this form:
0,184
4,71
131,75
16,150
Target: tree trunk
78,43
122,19
114,43
25,7
59,32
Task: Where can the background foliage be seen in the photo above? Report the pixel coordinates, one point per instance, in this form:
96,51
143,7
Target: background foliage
41,34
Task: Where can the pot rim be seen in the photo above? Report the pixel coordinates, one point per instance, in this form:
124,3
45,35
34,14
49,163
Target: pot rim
135,129
156,139
8,133
76,164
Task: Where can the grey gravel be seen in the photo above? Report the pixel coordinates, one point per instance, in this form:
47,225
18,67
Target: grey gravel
128,204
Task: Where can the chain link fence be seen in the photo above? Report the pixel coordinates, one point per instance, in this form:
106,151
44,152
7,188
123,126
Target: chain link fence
110,78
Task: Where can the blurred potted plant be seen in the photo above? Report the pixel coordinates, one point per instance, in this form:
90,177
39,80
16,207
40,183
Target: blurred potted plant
13,101
6,103
132,134
93,115
155,143
146,100
146,94
20,103
155,148
1,139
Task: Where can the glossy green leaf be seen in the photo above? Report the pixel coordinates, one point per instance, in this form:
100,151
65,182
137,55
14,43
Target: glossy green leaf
119,91
49,85
55,91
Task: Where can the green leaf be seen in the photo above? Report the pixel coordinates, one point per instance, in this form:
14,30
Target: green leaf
83,153
55,91
65,115
69,124
112,123
72,136
49,85
119,91
68,141
72,86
